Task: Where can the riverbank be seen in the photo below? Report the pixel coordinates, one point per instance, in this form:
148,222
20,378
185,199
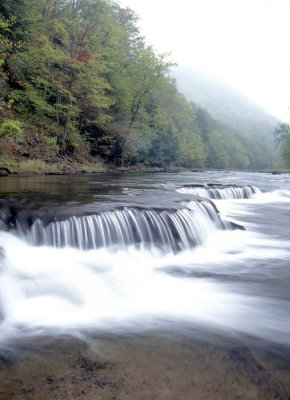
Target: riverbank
38,167
68,167
151,366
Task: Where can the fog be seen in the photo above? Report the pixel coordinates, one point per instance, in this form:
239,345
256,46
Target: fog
243,42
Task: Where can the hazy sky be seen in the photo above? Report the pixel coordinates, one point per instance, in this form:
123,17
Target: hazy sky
244,42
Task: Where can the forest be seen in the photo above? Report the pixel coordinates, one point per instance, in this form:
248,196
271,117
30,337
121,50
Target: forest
79,86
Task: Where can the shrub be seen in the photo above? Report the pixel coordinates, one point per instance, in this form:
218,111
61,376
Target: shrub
12,130
34,167
51,145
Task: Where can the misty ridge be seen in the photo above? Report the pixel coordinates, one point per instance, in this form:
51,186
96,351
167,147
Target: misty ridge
230,109
224,102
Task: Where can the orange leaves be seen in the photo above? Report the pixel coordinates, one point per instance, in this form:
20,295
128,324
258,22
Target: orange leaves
84,56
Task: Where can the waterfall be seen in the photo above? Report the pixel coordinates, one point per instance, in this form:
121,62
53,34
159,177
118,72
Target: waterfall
212,191
171,230
99,259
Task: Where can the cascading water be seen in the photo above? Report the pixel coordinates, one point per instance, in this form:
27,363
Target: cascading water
219,192
153,258
171,230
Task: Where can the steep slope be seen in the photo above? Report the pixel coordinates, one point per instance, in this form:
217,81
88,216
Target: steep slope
224,102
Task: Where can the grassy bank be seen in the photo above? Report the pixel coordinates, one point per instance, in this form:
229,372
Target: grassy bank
66,167
36,166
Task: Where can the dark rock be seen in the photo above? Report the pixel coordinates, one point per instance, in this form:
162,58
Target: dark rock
103,384
5,360
49,379
6,170
83,171
234,226
193,185
67,171
90,366
27,390
77,379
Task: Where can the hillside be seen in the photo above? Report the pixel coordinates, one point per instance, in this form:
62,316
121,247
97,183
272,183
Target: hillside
224,102
81,90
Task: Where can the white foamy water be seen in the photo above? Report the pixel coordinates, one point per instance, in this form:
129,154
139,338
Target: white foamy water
275,196
70,289
225,193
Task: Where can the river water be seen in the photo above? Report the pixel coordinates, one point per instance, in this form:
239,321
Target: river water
138,252
145,286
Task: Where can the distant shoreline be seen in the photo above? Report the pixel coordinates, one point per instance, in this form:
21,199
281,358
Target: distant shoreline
79,169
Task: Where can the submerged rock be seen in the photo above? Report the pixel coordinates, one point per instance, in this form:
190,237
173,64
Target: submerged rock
234,225
143,367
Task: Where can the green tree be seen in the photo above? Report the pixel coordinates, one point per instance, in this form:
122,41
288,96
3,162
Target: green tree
286,151
281,132
218,156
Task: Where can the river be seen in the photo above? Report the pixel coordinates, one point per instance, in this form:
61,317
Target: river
199,256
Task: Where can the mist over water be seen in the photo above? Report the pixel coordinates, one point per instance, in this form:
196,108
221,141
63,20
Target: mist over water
154,268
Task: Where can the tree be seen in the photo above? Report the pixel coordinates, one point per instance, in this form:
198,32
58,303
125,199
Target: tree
204,123
281,132
218,156
286,151
282,139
